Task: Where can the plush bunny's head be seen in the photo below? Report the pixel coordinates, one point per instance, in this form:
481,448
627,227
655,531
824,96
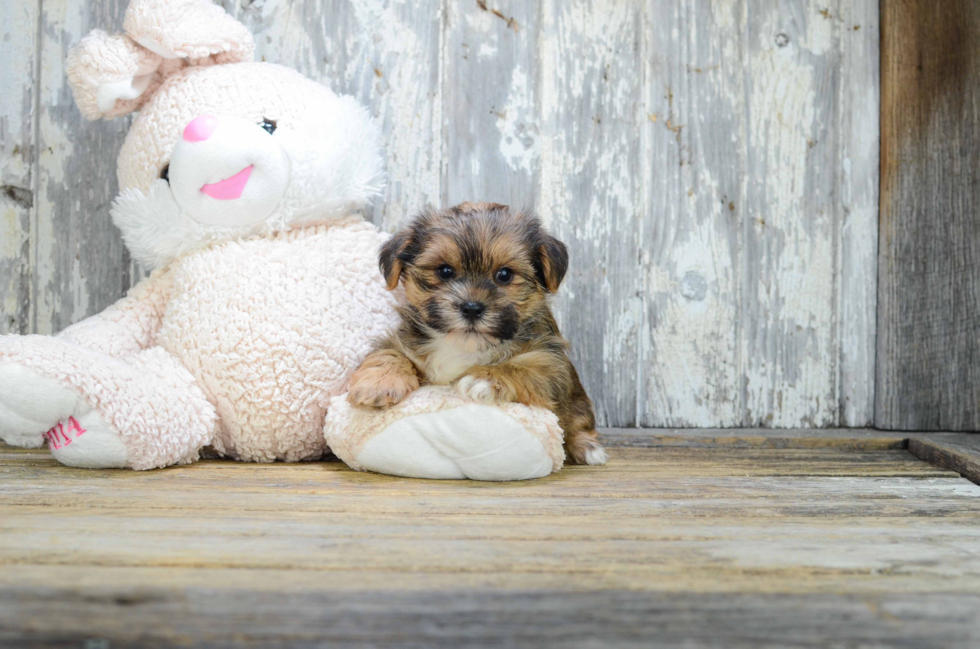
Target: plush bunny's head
222,147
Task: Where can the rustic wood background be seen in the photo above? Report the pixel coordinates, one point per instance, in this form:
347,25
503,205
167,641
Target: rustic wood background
712,164
929,296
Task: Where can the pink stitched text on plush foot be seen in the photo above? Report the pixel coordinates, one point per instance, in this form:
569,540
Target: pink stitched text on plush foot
61,435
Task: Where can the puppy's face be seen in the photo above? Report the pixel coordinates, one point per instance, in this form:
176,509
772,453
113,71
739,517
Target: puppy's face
475,272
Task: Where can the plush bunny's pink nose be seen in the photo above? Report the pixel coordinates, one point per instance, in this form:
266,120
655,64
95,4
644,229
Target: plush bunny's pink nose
200,128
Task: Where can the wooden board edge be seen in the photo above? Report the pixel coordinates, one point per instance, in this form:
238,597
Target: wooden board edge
958,452
859,439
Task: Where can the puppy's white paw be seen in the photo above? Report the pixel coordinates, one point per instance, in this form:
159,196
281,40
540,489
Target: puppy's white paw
596,455
479,390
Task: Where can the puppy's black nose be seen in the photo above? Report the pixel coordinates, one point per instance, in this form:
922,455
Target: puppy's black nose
472,310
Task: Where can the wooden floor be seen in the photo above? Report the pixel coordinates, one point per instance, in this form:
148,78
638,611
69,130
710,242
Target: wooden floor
849,542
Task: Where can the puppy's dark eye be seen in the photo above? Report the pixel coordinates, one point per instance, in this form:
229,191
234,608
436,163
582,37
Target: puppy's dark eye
165,173
269,125
445,272
504,275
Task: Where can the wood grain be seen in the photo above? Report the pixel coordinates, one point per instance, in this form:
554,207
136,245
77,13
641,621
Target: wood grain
18,42
845,438
386,54
458,619
491,116
694,174
81,265
712,166
928,371
591,156
790,213
810,546
859,107
956,452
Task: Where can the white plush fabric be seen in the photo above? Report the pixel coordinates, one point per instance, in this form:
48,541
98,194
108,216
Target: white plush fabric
437,433
330,144
264,299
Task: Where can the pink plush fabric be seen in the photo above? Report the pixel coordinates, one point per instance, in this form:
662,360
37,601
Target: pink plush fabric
191,29
162,416
128,326
272,327
240,346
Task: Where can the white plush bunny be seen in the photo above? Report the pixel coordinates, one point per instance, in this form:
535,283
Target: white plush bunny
241,183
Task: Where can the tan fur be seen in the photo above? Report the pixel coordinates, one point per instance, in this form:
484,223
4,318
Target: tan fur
383,379
513,352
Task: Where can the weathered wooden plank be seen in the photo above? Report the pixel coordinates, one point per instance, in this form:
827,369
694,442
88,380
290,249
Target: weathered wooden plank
458,618
591,84
858,167
18,43
710,164
677,544
845,438
693,170
928,360
384,53
81,264
956,452
491,117
790,218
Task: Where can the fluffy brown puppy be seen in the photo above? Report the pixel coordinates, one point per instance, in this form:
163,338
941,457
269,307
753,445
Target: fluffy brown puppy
477,279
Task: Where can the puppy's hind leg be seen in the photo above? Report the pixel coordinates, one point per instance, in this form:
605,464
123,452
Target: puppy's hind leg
581,440
583,447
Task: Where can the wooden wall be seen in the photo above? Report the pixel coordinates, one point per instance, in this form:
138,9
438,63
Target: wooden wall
929,296
712,164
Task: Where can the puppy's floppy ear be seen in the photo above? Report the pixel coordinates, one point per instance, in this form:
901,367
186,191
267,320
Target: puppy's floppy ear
389,260
551,262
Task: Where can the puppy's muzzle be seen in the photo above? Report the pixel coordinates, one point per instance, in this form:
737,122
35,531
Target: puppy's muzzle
472,311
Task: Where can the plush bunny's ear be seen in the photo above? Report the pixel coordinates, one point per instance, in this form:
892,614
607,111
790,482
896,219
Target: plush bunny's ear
188,29
111,75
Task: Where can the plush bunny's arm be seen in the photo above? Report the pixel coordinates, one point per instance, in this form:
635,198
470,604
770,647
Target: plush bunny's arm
128,326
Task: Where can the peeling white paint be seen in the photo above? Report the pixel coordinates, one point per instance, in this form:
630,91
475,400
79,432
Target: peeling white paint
18,28
409,108
487,51
714,281
518,133
789,358
858,240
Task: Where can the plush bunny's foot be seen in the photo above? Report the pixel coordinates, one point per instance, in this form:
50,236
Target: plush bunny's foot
35,409
30,405
87,441
437,433
141,411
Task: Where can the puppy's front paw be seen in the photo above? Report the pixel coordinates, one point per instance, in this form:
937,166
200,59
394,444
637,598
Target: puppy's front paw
484,388
373,388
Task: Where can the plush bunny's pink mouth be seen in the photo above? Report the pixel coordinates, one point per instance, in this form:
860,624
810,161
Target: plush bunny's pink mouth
230,188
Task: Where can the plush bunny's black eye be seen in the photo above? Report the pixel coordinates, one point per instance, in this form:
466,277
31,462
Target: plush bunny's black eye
504,276
445,272
268,124
165,173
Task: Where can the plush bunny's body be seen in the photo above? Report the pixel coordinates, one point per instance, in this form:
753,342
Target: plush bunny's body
239,345
242,184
